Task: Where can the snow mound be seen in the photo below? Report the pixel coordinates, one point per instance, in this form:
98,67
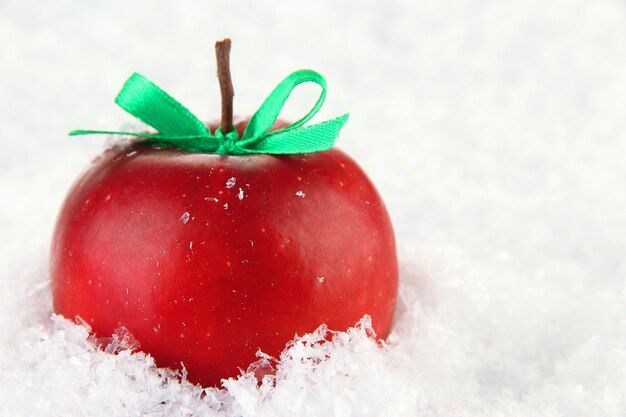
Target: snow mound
466,341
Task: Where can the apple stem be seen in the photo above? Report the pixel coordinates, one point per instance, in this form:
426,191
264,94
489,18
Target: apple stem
222,53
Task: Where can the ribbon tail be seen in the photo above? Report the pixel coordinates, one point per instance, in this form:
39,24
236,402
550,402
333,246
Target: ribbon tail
191,143
314,138
79,132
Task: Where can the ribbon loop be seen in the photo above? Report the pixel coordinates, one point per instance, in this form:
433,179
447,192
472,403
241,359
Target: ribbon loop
153,106
177,127
267,114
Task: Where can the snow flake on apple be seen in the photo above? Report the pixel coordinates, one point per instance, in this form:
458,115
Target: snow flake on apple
185,217
300,193
240,194
231,182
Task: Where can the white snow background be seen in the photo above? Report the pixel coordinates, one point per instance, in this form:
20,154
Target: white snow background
495,131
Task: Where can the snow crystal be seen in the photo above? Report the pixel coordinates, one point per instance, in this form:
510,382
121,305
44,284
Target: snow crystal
121,340
240,194
231,182
494,130
300,193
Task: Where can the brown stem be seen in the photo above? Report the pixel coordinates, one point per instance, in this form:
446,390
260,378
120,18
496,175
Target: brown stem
222,53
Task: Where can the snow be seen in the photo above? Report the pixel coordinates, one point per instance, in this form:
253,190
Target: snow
494,131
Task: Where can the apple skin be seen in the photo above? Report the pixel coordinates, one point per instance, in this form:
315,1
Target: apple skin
205,273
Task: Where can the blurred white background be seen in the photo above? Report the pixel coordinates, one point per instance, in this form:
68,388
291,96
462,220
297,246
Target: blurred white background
495,131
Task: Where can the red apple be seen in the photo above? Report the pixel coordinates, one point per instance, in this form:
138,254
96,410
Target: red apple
207,258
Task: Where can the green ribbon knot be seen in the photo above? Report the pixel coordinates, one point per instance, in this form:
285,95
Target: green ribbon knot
227,142
177,127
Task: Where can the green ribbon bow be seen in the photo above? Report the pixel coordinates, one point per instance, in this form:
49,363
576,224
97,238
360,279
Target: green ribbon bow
178,127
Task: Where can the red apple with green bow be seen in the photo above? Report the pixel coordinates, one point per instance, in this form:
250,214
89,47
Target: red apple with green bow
208,255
